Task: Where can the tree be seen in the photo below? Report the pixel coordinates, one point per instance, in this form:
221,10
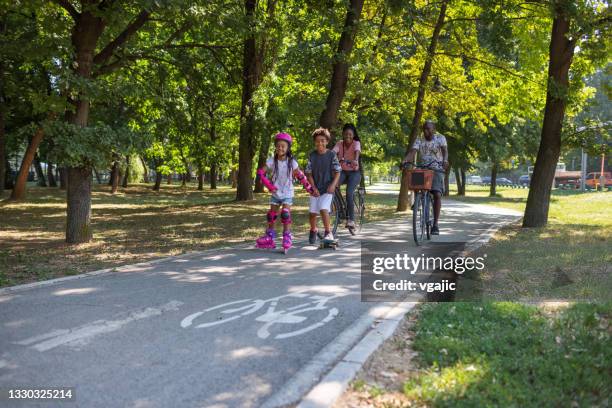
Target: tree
340,66
255,50
585,25
402,199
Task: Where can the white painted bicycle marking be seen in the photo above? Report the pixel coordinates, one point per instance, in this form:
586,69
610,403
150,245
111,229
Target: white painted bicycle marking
273,314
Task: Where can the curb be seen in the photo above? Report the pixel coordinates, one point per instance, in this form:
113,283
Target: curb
336,381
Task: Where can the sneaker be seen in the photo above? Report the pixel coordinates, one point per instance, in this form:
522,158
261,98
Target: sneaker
350,224
328,236
312,237
435,230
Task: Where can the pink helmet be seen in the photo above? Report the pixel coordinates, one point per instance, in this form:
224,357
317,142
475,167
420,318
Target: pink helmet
283,136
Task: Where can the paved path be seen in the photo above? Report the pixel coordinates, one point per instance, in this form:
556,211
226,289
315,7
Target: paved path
160,335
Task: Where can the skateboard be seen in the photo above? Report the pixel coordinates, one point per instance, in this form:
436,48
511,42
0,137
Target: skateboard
327,243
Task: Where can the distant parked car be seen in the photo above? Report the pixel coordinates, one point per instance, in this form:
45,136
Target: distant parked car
502,181
474,180
524,180
486,180
593,179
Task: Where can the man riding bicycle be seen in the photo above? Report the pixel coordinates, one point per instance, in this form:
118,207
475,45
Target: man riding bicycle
432,149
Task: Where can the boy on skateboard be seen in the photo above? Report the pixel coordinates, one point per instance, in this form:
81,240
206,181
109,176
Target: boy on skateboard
323,173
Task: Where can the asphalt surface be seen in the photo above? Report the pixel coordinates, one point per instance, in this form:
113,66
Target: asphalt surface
223,328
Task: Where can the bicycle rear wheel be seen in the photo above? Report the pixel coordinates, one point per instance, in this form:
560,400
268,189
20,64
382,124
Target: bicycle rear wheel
335,214
359,199
418,218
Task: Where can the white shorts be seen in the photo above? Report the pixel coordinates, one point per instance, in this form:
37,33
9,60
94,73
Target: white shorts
323,202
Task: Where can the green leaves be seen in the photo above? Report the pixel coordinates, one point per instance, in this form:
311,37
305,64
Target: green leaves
88,146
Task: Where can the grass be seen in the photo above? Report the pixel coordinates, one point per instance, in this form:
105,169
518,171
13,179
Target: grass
514,355
569,259
134,225
520,354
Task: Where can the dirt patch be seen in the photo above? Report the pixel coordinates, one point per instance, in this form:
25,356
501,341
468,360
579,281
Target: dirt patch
380,381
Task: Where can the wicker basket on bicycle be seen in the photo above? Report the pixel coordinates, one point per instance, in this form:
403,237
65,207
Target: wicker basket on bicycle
420,179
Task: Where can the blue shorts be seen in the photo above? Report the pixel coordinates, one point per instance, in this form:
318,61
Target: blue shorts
280,201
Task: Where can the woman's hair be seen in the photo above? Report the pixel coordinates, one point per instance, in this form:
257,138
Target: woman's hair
321,132
289,160
352,127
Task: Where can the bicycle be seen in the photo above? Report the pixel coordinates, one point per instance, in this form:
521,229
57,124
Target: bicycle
420,181
339,209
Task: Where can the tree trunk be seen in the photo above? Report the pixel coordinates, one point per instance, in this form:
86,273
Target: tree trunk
446,181
158,180
169,180
462,171
561,53
126,176
493,187
457,179
402,199
63,178
85,34
250,80
213,176
234,177
50,176
200,177
3,160
339,79
40,174
8,180
114,177
19,190
145,175
78,227
97,174
110,176
261,161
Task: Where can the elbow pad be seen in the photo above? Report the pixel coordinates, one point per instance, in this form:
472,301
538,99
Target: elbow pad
304,182
264,180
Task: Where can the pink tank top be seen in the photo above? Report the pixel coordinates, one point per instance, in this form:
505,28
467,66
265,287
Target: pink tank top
347,153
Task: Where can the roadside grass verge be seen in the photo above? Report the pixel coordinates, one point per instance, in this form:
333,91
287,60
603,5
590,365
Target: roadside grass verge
569,259
509,354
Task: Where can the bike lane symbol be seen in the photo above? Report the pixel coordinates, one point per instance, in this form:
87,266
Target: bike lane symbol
273,314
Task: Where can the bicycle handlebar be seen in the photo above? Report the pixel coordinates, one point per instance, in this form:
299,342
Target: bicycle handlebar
406,165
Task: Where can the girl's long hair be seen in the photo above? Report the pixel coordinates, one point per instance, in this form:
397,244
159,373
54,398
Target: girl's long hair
289,161
353,128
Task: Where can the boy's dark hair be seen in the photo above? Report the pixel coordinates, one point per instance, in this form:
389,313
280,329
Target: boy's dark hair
321,132
353,128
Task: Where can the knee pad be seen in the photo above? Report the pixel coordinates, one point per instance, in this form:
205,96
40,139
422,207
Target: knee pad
285,216
271,216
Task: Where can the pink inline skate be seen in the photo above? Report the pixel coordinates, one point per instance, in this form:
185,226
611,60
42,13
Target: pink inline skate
287,241
267,240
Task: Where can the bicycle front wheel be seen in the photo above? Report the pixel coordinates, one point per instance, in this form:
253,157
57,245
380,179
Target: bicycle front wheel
418,218
335,214
359,207
429,214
